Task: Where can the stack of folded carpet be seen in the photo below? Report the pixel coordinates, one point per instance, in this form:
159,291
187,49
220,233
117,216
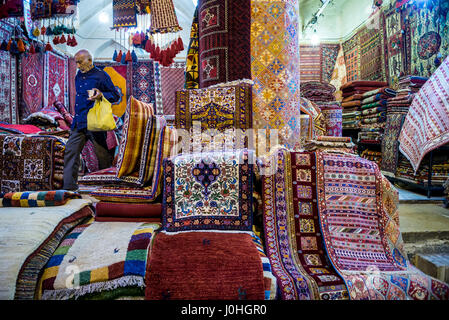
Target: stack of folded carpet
370,135
374,105
353,95
331,144
332,112
134,181
317,91
375,156
407,87
440,169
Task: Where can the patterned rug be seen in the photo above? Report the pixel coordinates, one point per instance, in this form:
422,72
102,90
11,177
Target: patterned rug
56,85
426,126
98,256
204,266
208,191
224,41
32,82
26,164
140,76
310,60
167,81
333,118
429,35
292,231
275,69
73,69
119,77
9,112
390,144
351,50
124,13
360,226
372,53
338,77
329,54
192,76
33,235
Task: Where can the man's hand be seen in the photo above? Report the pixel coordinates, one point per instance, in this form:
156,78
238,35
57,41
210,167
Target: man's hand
97,95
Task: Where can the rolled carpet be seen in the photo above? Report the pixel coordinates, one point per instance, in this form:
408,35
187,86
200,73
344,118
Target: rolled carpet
204,266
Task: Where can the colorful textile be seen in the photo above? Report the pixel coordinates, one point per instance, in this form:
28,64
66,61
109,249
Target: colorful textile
310,59
338,77
101,256
32,82
26,164
426,126
372,53
292,232
140,81
37,199
329,54
192,76
360,227
168,80
215,265
119,77
333,113
19,128
137,118
275,69
130,210
124,13
429,36
56,84
39,232
101,177
163,17
224,41
205,191
9,112
351,50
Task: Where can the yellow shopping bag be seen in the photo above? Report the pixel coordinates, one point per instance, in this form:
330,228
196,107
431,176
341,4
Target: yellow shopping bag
99,117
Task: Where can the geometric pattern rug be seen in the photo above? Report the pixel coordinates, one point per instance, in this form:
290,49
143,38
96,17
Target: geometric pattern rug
167,81
32,82
56,85
8,89
358,211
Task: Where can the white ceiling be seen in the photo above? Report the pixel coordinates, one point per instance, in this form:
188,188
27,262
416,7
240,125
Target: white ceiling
338,19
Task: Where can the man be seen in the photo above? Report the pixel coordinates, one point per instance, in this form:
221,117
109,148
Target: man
88,78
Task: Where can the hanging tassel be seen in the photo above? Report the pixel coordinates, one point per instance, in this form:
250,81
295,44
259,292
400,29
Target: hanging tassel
8,46
32,49
180,44
36,32
74,43
20,46
13,48
114,56
3,46
62,39
134,56
119,56
56,40
69,40
128,57
123,59
48,47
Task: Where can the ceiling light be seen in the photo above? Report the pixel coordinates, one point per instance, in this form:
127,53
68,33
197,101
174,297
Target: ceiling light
103,17
195,2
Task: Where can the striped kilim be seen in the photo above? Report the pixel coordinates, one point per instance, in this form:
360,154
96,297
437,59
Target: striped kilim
124,13
426,126
358,211
310,59
275,69
163,17
351,49
292,231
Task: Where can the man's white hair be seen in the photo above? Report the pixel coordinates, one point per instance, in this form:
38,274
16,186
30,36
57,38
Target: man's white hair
85,52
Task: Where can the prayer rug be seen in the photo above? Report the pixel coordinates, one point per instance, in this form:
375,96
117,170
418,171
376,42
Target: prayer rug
119,77
208,191
56,85
224,41
32,82
33,235
292,232
360,226
140,81
98,256
26,164
426,126
124,13
372,53
37,199
390,143
351,49
275,69
429,36
9,112
204,266
338,77
329,53
310,60
167,81
192,76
